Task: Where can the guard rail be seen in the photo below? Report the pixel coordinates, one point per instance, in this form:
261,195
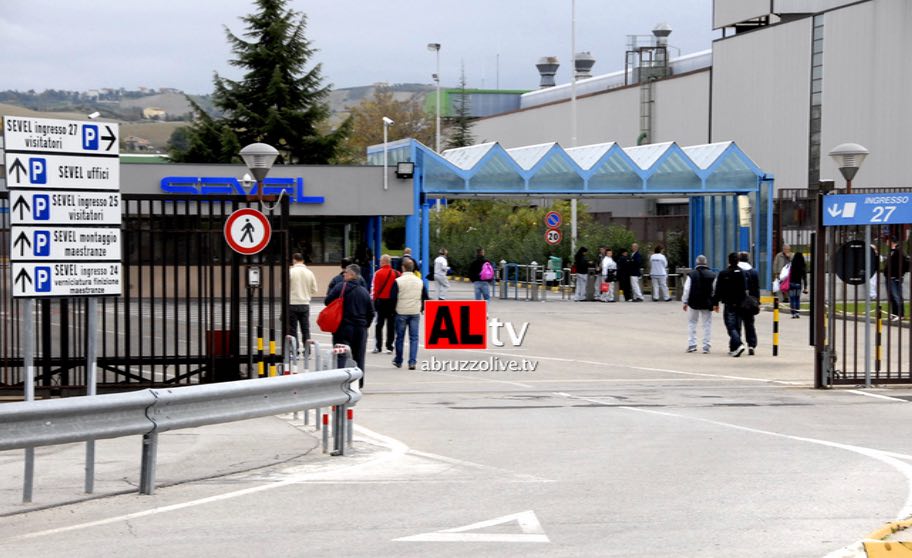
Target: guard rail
153,411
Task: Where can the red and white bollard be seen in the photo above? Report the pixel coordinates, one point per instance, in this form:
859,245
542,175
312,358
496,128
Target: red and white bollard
351,428
326,433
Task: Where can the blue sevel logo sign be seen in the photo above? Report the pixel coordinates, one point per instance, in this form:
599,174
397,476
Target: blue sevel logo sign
888,208
228,185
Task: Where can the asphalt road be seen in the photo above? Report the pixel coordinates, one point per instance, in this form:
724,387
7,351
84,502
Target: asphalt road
618,444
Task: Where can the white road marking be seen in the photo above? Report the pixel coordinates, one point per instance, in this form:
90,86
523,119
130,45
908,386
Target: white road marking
532,531
876,395
396,448
888,458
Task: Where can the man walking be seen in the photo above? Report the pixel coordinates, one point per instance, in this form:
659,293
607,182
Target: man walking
658,272
441,268
386,309
752,279
408,294
897,266
697,297
635,272
302,286
730,290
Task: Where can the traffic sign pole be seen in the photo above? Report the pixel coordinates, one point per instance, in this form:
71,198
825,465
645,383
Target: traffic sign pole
28,362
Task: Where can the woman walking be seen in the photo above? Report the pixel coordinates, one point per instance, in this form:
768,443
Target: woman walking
797,283
582,273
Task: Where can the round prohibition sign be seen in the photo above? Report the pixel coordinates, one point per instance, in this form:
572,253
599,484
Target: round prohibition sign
553,220
553,236
247,231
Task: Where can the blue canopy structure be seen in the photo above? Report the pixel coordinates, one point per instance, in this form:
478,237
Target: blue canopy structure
711,176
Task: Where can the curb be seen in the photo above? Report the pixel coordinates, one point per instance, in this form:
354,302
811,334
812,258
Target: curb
876,547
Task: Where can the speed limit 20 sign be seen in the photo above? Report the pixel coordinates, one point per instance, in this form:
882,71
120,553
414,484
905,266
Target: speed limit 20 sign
553,236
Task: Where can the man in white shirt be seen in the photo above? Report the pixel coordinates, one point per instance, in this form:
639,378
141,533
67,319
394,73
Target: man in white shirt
408,294
658,272
441,267
302,286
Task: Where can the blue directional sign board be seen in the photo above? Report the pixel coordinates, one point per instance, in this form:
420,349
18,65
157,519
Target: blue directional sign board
891,208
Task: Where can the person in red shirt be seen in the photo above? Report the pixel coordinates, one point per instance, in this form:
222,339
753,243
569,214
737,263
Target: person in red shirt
384,306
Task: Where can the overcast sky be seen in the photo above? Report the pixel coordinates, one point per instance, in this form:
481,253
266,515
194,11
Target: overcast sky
86,44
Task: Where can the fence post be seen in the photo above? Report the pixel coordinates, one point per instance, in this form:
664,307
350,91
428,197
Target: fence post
147,467
775,324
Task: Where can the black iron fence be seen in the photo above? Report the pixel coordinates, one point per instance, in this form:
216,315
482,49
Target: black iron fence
186,315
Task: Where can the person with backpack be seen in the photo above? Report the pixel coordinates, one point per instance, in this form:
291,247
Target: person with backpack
697,297
481,274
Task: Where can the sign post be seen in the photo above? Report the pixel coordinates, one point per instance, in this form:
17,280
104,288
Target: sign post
63,178
893,208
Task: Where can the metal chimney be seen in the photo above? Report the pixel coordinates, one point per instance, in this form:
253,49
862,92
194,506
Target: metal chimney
547,67
583,62
661,33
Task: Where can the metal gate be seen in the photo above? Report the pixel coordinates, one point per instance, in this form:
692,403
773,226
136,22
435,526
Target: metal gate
865,335
186,315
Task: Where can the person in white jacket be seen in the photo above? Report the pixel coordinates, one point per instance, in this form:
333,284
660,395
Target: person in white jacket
658,272
441,267
609,275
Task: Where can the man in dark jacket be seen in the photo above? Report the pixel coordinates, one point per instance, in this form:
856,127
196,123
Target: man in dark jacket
357,314
897,266
752,279
697,297
636,271
729,289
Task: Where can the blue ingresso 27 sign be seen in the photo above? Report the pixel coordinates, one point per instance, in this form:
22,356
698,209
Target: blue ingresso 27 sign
867,209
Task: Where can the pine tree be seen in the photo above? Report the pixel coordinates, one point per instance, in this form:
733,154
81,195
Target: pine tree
460,129
277,101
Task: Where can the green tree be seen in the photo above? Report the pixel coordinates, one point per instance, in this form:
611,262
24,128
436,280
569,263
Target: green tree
411,121
278,101
459,133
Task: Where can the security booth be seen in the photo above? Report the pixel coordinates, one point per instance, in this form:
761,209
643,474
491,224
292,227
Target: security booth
714,177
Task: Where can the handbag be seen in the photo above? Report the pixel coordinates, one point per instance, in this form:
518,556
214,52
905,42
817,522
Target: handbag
749,305
604,288
330,318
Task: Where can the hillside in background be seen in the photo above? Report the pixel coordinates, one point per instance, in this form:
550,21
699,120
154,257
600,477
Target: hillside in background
148,117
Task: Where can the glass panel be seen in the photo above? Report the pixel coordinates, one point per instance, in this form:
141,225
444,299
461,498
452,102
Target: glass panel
674,173
497,174
440,178
556,175
615,174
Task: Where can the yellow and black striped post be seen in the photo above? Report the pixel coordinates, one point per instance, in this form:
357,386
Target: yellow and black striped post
775,324
272,353
260,370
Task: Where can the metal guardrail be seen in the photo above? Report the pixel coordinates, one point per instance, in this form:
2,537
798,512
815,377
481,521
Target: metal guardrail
153,411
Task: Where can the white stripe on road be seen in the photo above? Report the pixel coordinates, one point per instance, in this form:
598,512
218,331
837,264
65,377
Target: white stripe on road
888,458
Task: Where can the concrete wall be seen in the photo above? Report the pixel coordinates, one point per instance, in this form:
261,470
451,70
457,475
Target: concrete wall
348,190
867,69
761,97
681,113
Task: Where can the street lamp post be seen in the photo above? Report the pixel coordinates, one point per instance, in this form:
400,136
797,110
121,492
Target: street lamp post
259,158
387,122
436,48
849,157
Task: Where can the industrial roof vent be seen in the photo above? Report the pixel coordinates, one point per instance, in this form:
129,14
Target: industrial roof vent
646,58
583,62
547,67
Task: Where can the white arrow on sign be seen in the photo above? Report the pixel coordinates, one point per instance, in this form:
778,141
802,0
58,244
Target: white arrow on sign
532,531
834,210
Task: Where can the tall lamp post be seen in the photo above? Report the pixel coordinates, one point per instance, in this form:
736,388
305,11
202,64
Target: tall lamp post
849,157
259,158
387,122
435,47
